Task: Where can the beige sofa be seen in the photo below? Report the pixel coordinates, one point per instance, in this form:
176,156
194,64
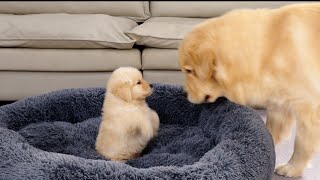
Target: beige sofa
46,46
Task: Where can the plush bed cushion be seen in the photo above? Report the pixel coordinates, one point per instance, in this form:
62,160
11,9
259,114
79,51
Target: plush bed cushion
29,59
52,136
160,59
65,31
135,10
163,32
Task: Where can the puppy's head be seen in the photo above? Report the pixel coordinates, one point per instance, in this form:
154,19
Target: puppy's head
127,83
198,61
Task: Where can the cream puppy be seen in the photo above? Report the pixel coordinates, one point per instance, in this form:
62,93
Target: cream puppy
127,121
266,58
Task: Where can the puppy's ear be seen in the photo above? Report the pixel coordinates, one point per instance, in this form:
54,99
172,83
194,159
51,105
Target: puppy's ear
124,92
205,61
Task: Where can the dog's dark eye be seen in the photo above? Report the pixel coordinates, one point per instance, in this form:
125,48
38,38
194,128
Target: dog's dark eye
139,82
188,70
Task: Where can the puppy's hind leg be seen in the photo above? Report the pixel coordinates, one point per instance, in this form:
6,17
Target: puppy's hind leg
279,123
306,141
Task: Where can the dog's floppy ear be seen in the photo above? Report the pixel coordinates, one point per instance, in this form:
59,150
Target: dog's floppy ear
204,60
124,92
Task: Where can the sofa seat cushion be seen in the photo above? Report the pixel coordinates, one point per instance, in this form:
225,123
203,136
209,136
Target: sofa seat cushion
29,59
207,9
160,59
65,31
165,76
16,85
135,10
163,32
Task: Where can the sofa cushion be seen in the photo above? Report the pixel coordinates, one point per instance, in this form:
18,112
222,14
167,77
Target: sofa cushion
67,60
159,59
16,85
135,10
65,31
163,32
165,77
207,9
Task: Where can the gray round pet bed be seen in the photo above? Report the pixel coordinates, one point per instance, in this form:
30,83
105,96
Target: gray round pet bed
52,136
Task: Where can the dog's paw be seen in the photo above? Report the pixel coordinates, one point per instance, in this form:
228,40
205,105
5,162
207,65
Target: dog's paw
288,170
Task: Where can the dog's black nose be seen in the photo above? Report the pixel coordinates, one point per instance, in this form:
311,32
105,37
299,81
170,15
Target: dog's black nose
151,85
207,97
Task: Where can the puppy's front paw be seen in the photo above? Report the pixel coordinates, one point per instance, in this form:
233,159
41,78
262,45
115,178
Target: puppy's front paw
288,170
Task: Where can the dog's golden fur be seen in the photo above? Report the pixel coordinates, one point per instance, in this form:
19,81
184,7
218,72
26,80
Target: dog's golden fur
127,122
267,58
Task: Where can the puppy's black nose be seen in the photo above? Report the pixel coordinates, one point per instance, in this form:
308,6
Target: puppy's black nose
207,97
151,85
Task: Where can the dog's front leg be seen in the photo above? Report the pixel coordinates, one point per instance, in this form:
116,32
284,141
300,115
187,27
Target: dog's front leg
306,141
279,123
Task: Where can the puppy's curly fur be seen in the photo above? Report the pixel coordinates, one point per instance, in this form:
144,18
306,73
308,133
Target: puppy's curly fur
128,123
266,58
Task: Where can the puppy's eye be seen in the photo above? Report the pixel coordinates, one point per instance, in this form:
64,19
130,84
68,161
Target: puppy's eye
139,82
188,71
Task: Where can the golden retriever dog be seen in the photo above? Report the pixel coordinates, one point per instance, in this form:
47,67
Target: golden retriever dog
127,122
267,58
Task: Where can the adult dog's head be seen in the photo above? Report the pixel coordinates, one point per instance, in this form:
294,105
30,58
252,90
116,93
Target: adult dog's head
198,61
127,83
